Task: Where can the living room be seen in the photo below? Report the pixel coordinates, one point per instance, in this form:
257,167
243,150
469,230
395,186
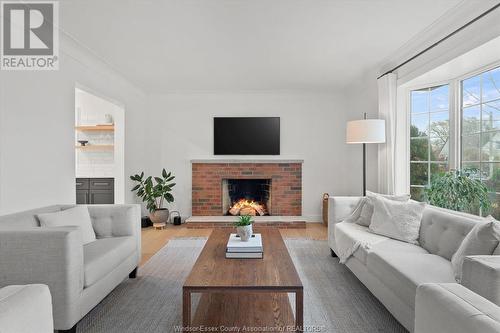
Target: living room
265,166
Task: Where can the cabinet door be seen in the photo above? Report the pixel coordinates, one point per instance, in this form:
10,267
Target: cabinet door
102,183
82,197
101,197
82,184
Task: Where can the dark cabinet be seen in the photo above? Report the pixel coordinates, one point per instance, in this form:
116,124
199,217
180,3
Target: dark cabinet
82,197
94,191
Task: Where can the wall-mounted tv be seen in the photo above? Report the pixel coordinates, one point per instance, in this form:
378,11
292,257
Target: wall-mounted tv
246,135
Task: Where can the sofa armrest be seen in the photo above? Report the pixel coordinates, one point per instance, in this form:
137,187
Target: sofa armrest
117,221
481,274
452,308
26,308
339,208
51,256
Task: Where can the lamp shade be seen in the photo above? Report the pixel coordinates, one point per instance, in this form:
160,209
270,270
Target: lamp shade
366,131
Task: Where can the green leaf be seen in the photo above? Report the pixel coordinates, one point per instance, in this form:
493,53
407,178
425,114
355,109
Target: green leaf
169,197
164,173
136,187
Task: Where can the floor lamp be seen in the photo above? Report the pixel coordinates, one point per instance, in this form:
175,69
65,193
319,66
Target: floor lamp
365,131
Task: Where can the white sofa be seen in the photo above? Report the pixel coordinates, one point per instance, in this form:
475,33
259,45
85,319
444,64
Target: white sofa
392,270
452,308
26,309
79,276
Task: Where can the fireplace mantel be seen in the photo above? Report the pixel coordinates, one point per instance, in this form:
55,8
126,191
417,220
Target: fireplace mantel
241,161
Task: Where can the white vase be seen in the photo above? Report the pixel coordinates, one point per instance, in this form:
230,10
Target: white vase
245,232
159,216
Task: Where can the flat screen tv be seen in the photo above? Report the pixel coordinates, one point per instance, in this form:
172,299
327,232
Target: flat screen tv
246,135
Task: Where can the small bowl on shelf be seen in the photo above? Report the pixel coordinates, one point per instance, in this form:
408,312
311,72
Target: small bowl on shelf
83,143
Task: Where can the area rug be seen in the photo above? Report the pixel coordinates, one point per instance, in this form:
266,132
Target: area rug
334,300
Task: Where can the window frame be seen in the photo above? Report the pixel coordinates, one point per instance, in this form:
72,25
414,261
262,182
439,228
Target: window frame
455,115
452,127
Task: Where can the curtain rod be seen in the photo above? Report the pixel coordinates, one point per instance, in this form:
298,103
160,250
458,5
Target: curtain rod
442,40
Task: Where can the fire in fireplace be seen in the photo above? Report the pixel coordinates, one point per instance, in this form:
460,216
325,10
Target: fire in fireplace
246,197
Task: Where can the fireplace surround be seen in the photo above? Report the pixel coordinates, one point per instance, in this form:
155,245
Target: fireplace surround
284,184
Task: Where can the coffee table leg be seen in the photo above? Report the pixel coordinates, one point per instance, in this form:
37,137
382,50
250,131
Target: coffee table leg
299,310
186,308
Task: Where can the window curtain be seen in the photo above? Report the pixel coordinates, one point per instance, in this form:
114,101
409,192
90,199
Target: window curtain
387,110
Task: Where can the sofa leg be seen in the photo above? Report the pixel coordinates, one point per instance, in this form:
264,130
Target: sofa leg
333,253
71,330
133,274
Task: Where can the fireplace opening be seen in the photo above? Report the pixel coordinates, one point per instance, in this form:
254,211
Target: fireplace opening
246,197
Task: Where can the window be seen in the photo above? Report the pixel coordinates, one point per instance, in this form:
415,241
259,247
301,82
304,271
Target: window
429,136
480,130
470,126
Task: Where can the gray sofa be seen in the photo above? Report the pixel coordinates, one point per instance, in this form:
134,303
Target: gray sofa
79,276
392,270
26,309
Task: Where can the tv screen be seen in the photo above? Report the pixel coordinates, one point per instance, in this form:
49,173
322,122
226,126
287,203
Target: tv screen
247,136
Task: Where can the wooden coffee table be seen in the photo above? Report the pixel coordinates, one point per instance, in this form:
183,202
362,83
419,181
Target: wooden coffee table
244,292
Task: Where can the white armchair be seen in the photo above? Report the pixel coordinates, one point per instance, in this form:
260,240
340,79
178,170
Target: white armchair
26,309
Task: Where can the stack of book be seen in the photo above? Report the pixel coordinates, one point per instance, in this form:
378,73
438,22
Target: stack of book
237,249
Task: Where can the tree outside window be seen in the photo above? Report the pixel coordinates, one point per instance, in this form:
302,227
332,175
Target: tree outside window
429,136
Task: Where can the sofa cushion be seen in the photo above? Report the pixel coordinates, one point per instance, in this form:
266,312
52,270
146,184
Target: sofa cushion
403,272
398,220
380,243
481,240
77,216
442,230
364,212
103,255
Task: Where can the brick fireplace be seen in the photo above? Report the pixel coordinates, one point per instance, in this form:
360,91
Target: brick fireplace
284,179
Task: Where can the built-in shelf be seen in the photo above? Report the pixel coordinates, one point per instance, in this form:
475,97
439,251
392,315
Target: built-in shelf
95,147
96,128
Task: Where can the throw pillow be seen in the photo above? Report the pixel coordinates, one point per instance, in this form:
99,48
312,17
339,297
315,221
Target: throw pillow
398,220
78,216
481,240
356,213
365,216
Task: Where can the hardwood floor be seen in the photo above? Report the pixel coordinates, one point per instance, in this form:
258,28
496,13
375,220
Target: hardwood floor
153,240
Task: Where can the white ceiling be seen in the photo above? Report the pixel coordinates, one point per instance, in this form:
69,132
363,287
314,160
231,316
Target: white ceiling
212,45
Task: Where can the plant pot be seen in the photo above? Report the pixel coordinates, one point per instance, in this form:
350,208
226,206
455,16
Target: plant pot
159,216
245,232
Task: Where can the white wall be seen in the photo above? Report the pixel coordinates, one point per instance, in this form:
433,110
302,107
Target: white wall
312,128
37,163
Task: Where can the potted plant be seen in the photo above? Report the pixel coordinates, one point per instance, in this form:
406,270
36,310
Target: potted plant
459,190
244,227
154,191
